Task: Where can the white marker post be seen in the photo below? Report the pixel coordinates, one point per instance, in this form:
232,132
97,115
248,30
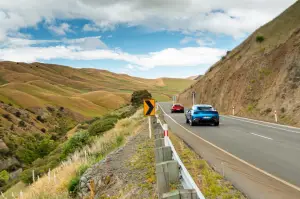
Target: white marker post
166,133
193,95
275,115
233,110
150,126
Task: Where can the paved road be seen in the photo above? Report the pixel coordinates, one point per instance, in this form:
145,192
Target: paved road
268,147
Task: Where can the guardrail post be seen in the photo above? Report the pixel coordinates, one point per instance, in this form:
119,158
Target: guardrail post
163,183
158,134
163,154
180,194
159,143
170,167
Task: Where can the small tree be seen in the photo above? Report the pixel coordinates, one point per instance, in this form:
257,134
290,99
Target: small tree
18,114
137,97
22,124
260,38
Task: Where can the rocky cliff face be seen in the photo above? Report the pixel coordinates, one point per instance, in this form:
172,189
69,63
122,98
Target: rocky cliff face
259,76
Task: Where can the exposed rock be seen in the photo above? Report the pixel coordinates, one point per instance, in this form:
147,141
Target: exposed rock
8,163
15,174
3,147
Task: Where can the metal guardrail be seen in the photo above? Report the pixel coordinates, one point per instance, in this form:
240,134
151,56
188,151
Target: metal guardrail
185,178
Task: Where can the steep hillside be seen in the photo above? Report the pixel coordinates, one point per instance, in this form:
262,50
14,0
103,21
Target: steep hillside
259,76
88,92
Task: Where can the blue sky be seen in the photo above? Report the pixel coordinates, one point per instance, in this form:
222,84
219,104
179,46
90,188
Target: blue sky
141,38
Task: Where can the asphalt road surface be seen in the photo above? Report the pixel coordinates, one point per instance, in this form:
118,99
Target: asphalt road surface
261,159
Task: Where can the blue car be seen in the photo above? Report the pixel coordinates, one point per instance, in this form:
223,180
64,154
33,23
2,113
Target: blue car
202,114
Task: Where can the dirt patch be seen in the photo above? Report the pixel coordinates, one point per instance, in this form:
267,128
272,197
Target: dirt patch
126,173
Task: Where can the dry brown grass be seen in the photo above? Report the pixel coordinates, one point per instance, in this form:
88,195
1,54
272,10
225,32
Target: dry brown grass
56,187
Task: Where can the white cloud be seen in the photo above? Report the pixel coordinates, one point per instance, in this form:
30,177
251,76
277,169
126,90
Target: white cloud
91,28
168,57
239,16
205,42
86,43
62,29
186,40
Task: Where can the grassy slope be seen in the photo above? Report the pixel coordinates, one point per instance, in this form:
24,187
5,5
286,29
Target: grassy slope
89,92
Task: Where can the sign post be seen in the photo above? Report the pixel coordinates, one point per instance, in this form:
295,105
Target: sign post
174,99
149,110
193,96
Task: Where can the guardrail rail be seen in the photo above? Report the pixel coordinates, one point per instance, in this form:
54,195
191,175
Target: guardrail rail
169,166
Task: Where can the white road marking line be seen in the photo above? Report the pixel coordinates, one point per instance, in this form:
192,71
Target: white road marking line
233,156
262,136
262,124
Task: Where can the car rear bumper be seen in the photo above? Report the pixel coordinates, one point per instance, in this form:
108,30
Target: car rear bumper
177,110
206,121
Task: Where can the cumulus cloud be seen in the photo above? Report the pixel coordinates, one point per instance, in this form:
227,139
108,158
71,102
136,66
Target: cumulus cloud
231,17
168,57
91,28
62,29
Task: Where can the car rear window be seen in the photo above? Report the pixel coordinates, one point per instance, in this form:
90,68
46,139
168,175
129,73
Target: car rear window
176,105
202,108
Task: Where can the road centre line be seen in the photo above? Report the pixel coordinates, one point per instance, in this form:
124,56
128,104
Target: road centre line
233,156
262,136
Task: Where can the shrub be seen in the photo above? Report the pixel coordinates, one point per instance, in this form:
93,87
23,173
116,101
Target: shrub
22,124
128,113
7,116
282,110
137,97
39,118
102,125
18,114
77,141
43,130
61,108
50,109
10,104
4,177
73,186
260,38
34,147
119,140
223,57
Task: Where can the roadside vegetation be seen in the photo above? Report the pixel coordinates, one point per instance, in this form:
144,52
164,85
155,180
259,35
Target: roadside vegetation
92,141
64,180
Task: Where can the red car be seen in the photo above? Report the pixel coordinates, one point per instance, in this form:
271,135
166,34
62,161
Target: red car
177,108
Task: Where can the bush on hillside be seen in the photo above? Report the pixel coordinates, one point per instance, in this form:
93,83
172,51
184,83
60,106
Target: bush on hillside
18,114
39,118
128,112
104,124
34,147
4,177
138,97
22,124
260,38
7,116
77,141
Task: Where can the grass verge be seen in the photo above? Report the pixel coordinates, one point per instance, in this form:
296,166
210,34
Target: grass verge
211,183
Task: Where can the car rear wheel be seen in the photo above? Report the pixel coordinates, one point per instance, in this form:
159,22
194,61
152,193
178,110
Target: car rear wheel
191,123
187,120
216,124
